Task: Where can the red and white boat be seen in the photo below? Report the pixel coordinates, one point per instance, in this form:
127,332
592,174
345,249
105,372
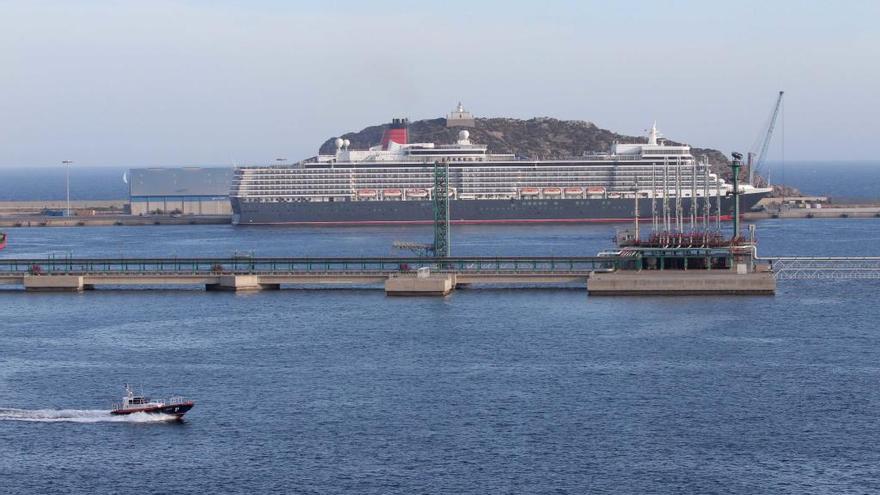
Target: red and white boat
132,403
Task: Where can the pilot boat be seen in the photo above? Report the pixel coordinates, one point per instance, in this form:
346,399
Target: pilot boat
132,403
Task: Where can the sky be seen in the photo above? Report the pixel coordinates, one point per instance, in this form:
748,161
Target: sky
223,82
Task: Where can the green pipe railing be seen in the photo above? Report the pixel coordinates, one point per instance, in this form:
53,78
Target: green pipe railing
247,265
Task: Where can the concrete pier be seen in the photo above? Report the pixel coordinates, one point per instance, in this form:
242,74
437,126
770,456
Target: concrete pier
600,275
668,282
433,285
620,282
238,283
56,283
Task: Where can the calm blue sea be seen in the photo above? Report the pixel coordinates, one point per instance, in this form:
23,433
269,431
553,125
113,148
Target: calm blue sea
845,181
484,391
842,181
48,183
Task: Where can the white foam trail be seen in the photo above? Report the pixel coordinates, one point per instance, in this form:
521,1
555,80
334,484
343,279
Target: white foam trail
79,416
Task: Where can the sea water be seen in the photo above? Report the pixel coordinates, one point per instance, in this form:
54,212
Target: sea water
483,391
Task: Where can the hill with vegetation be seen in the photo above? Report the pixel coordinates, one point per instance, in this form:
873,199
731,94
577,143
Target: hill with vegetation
536,138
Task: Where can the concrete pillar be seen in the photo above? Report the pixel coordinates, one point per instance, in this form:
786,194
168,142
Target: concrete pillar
434,285
239,283
53,283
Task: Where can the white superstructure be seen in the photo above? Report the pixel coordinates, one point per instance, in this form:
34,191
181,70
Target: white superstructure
400,171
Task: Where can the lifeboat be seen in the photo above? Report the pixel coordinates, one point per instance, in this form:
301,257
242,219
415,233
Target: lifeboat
552,191
573,191
416,193
392,193
366,193
529,191
614,196
595,190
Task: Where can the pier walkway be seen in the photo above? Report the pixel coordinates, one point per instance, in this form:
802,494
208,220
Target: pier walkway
251,273
829,267
613,274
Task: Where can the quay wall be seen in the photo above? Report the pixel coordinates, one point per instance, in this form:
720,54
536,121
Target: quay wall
668,282
111,220
836,212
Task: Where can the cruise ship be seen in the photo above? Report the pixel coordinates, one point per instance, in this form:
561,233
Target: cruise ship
393,183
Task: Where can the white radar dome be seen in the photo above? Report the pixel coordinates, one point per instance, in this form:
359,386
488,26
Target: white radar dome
338,143
346,143
464,135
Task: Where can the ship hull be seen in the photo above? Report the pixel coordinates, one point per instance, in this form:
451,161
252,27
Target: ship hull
468,211
176,410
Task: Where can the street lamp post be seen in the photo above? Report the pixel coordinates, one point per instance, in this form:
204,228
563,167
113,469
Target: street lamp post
736,165
68,162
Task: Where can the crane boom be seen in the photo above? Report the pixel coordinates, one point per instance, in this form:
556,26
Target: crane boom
762,155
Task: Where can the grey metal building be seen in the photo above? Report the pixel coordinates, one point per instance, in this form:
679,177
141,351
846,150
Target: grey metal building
185,191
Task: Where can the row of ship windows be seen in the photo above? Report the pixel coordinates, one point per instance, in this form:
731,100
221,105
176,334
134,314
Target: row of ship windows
465,192
424,162
427,169
442,152
315,191
451,176
494,173
465,188
319,192
455,177
524,202
483,185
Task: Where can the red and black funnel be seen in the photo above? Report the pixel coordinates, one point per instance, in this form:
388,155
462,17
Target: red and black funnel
396,132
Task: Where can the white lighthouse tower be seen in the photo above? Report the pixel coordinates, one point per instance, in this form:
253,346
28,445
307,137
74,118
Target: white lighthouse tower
460,117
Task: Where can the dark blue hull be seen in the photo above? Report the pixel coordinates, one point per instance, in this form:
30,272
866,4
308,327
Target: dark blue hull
466,211
177,410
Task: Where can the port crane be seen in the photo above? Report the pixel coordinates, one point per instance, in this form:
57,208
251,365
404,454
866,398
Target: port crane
757,161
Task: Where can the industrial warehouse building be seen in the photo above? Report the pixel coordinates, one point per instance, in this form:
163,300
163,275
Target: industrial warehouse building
184,191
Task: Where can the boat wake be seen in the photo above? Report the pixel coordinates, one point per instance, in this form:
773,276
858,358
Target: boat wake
79,416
